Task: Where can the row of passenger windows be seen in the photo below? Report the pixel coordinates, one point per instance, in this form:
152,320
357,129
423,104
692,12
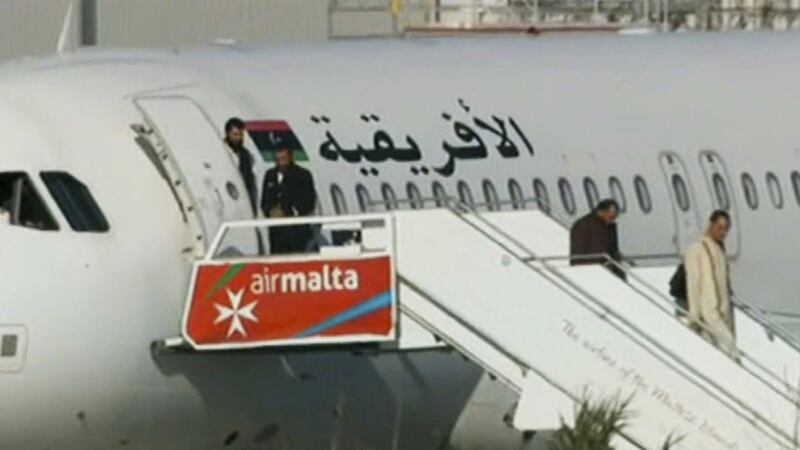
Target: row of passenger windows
492,200
567,197
775,191
21,204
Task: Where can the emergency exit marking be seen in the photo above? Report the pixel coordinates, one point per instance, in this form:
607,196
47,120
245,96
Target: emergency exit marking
8,347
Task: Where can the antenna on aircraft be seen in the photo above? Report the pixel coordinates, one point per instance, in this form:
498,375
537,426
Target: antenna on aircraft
66,40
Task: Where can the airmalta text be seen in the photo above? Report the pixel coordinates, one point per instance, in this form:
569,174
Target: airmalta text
328,278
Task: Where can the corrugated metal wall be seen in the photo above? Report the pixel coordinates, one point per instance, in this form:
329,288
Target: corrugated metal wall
186,22
30,27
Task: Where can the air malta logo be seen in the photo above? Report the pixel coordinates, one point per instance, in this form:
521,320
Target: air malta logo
279,303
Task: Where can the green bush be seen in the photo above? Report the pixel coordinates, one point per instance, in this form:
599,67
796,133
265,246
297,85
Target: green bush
595,426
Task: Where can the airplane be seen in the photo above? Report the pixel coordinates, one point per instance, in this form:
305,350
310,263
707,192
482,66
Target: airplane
99,238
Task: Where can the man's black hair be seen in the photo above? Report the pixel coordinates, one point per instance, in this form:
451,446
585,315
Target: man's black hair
234,122
605,204
720,213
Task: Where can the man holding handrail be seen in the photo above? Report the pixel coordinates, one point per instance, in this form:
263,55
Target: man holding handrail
594,240
708,285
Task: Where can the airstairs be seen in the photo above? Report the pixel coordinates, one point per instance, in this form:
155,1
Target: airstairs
498,288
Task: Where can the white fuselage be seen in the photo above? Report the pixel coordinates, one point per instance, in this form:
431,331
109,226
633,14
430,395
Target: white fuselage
92,304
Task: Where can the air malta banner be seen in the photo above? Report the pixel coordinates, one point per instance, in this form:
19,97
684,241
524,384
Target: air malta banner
254,304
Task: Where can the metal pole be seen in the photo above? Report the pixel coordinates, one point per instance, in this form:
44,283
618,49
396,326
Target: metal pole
88,22
331,7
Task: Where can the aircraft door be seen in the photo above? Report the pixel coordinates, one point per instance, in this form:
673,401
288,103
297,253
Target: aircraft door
684,207
721,191
203,172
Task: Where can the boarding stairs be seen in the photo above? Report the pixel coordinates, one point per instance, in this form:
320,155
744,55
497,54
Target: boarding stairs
555,332
498,288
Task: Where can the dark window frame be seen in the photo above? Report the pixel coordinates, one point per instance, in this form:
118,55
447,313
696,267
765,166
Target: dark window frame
618,193
363,197
681,192
722,194
591,191
516,194
465,194
775,190
795,177
389,197
439,194
542,195
567,196
643,194
750,191
18,204
415,200
76,202
338,199
489,191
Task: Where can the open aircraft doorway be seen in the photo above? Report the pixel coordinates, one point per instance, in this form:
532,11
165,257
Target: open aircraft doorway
192,152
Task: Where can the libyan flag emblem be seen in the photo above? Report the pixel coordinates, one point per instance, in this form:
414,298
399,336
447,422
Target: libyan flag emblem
272,135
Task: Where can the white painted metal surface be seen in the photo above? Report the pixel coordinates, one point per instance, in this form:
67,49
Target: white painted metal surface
191,144
774,355
776,352
111,295
520,315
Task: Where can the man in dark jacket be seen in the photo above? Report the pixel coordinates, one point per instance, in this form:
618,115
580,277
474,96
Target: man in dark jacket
594,235
288,191
234,137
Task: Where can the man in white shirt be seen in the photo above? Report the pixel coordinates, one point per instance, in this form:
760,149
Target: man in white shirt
708,285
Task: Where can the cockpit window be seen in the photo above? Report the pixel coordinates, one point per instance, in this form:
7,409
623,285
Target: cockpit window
21,204
76,202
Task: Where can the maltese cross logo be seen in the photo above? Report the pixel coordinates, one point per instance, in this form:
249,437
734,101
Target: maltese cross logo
236,313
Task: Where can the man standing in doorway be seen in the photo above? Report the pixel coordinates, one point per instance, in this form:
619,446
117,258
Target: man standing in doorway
595,235
288,191
234,138
708,285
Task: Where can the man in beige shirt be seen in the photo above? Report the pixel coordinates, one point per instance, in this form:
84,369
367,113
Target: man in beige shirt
708,285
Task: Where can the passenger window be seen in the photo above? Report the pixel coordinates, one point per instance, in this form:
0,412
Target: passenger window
517,198
364,202
542,196
339,204
490,194
414,196
439,194
643,194
775,190
721,192
389,197
592,195
567,197
76,202
21,205
750,191
681,192
615,186
796,186
465,194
